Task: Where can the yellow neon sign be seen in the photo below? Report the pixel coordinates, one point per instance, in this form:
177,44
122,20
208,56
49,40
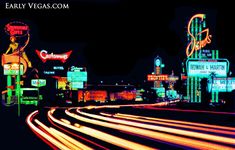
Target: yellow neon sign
197,45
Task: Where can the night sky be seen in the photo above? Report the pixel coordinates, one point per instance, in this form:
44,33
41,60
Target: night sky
118,40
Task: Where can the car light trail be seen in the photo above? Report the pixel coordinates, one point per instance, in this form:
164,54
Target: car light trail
171,124
61,139
180,122
188,135
43,134
187,142
75,142
221,139
101,135
184,110
76,135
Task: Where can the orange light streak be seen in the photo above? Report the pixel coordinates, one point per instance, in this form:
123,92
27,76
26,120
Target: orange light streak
44,135
165,129
61,139
75,142
102,135
198,144
181,122
172,124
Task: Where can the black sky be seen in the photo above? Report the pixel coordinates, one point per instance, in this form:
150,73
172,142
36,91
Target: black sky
119,39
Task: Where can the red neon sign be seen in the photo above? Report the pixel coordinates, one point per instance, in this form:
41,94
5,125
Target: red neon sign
44,56
17,28
197,45
154,77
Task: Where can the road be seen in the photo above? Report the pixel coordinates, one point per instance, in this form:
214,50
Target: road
114,127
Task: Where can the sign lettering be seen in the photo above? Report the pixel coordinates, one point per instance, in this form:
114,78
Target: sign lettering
195,45
44,56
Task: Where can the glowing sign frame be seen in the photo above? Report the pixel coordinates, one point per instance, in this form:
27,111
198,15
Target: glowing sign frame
197,45
206,68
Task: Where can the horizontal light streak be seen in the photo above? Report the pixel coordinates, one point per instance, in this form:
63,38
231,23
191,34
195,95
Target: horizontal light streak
206,129
180,122
165,129
102,135
187,110
187,142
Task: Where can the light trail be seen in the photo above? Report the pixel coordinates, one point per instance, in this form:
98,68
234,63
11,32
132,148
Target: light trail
76,135
185,110
61,139
164,137
206,129
43,134
101,135
161,130
180,122
75,142
204,136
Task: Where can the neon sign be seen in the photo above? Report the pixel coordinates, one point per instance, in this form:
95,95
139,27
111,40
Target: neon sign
17,28
205,67
44,56
38,82
222,85
13,69
154,77
194,44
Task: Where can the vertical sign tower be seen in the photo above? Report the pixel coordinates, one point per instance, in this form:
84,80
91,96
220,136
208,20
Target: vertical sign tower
198,37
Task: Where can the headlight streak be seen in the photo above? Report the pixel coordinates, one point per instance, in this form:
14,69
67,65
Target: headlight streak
187,142
180,122
186,110
205,136
145,127
61,139
76,135
44,135
102,135
75,142
171,124
68,142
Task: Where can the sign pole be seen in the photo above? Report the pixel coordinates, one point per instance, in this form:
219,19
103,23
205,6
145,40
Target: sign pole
18,87
9,90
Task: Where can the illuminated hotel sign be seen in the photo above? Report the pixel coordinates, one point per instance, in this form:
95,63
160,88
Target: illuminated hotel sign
154,77
222,85
16,28
12,69
204,68
58,67
44,56
38,82
195,45
77,76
